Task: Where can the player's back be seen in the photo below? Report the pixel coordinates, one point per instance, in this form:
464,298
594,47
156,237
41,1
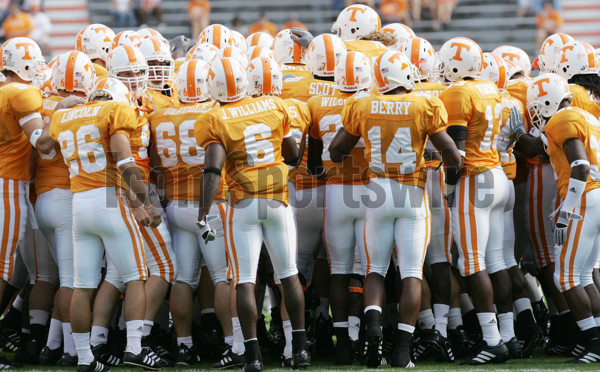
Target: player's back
476,105
435,89
251,130
297,70
326,117
50,171
566,124
303,89
101,72
83,133
370,48
19,103
395,130
584,99
182,160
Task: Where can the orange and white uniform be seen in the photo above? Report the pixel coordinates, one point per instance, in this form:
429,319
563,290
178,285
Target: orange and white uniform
395,129
251,130
154,100
182,161
54,203
583,99
371,49
298,70
482,191
509,165
438,250
303,89
102,217
576,258
20,103
101,72
344,220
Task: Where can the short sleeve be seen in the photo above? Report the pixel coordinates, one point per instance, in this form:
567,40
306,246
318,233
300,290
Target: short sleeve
457,102
436,117
351,117
26,103
204,128
122,118
567,126
304,118
286,122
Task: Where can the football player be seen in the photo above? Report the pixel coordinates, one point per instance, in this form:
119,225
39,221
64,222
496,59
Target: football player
217,35
572,135
346,185
394,126
161,91
73,75
474,114
256,143
96,41
103,218
290,55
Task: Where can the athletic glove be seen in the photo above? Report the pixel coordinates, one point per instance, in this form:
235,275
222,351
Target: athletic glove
560,230
207,232
302,36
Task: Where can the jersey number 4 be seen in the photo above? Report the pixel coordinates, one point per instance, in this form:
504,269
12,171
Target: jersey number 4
398,152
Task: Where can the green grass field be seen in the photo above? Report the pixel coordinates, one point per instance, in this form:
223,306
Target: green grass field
538,363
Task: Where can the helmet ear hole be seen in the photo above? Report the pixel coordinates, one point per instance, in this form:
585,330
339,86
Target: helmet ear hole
547,103
455,70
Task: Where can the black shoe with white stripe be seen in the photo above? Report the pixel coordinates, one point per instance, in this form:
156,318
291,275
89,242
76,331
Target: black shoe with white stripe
95,366
578,351
230,360
104,354
587,357
489,354
373,351
145,359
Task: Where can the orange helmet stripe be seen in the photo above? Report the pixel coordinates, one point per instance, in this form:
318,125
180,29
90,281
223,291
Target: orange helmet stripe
267,84
501,71
217,36
329,53
350,68
227,52
191,78
256,52
229,78
564,38
297,53
378,77
130,53
79,41
255,39
415,47
70,71
156,44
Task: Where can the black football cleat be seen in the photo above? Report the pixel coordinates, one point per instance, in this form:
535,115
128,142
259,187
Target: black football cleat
489,354
301,359
95,366
145,359
229,360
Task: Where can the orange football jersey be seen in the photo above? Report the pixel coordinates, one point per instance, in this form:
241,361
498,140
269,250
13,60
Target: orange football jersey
476,105
299,128
251,130
566,124
395,129
295,69
19,103
303,89
182,160
153,100
434,89
583,99
83,133
371,49
101,72
326,114
51,171
507,158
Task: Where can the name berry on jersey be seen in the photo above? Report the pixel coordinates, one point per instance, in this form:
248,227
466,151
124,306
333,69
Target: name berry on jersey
390,108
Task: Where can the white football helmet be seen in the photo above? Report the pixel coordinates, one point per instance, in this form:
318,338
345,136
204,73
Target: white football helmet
238,40
353,72
494,69
460,58
95,40
259,51
127,37
401,32
393,70
227,81
235,53
548,58
516,56
150,32
22,56
264,77
113,90
259,39
323,54
205,52
126,59
43,80
161,66
74,72
192,81
356,21
421,55
576,57
286,50
217,35
512,68
544,95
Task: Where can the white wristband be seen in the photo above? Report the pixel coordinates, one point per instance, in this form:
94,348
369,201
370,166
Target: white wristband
574,193
580,162
125,161
35,136
461,153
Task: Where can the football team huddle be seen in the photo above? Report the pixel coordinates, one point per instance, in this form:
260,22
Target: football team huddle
408,203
